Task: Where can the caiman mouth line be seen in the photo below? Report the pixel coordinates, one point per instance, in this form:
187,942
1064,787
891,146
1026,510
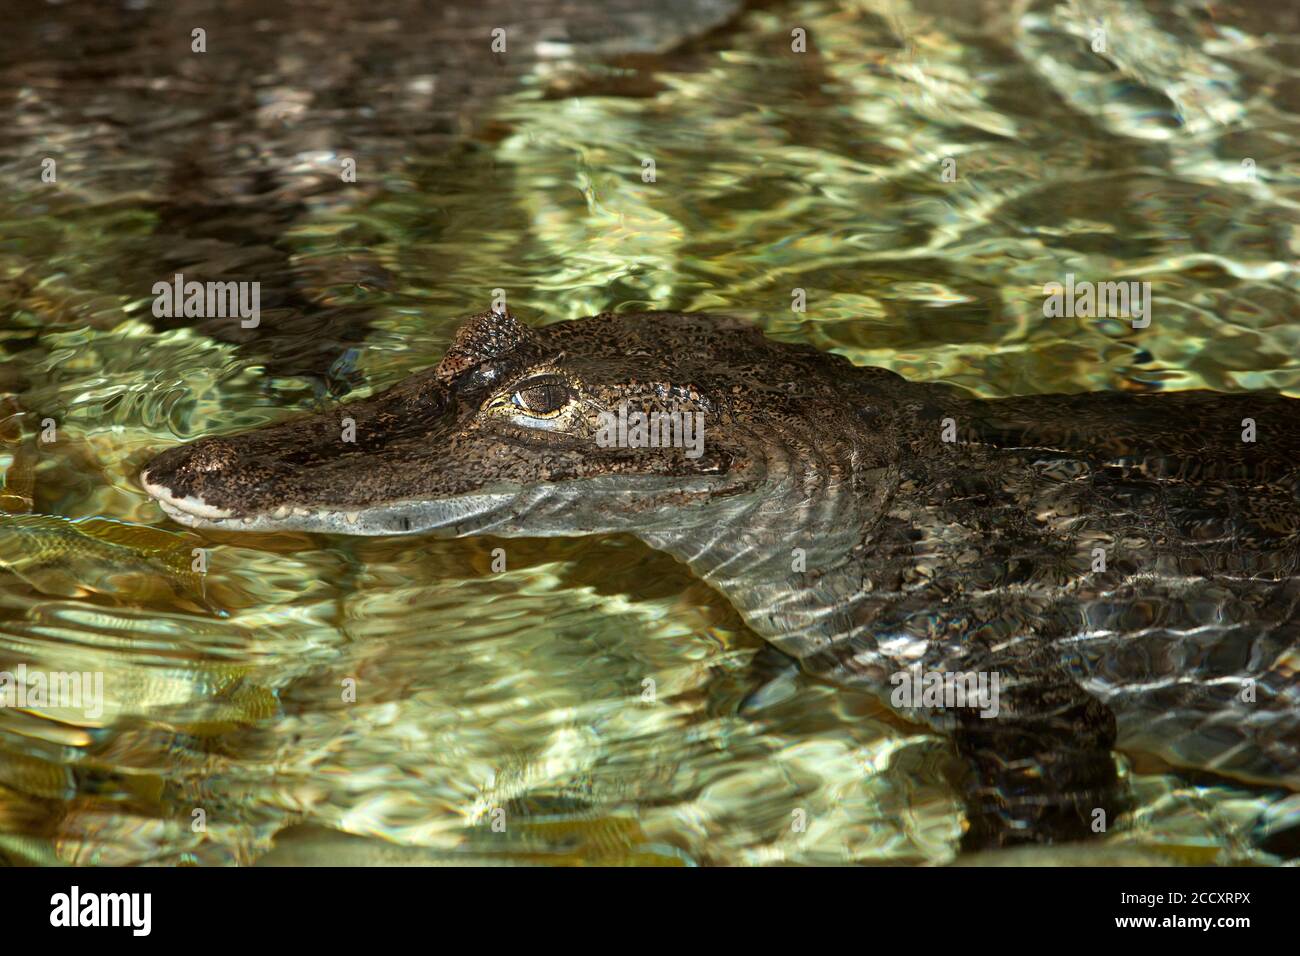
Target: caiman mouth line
185,509
1108,556
407,517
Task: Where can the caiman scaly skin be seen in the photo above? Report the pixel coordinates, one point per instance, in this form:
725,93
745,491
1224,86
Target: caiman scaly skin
938,532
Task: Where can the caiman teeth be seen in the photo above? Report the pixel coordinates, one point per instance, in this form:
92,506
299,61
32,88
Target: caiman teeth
187,505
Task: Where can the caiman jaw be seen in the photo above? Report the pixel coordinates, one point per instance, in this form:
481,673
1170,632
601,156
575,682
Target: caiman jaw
456,515
185,510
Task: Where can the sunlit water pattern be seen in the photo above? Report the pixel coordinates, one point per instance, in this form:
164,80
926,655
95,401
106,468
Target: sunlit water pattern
522,695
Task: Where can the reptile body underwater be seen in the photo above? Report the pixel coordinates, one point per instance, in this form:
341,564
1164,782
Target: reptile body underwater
1124,569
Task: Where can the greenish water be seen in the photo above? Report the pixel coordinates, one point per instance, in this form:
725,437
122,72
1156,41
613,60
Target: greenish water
1170,158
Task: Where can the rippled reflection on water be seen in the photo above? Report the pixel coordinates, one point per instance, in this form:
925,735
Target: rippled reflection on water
522,691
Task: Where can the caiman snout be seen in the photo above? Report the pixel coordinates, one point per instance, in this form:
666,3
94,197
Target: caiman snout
177,477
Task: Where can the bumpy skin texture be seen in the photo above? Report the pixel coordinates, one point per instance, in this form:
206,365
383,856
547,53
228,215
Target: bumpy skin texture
917,553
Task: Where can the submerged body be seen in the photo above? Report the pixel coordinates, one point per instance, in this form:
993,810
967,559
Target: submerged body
1120,571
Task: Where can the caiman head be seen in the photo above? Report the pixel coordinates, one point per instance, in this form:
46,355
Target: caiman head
532,431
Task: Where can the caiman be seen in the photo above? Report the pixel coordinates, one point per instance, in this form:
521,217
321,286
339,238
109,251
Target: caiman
1123,568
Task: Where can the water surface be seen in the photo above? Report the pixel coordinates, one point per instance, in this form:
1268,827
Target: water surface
522,694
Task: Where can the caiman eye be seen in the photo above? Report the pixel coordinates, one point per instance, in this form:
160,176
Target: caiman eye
541,398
